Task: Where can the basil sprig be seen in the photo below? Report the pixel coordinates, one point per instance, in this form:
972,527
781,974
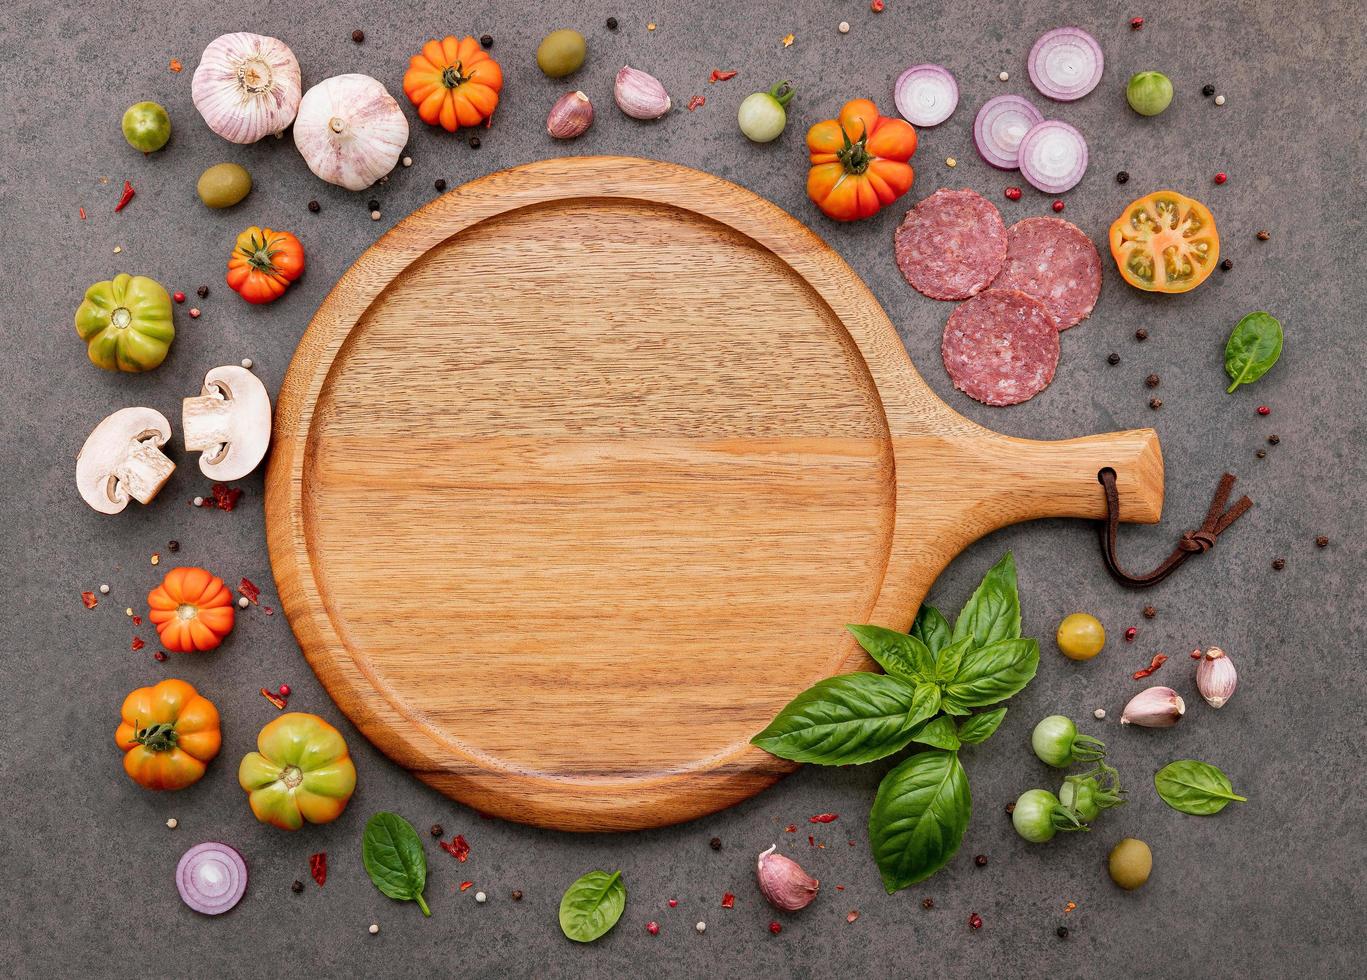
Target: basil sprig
392,853
934,674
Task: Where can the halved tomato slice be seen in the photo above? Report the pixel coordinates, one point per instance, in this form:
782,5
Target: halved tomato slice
1165,243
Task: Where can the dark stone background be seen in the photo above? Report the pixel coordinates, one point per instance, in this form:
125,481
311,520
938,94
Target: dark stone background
1273,888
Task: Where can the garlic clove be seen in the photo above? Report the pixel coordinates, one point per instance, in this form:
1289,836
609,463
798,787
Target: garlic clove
1216,677
640,94
1156,707
571,116
783,882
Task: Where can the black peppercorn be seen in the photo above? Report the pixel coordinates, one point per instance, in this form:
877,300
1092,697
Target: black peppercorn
1155,403
437,830
1151,381
981,860
1261,454
1061,932
517,895
486,40
1141,334
439,184
1264,235
297,887
202,291
358,36
612,23
1278,563
1010,809
372,205
1227,264
1208,90
927,903
1150,612
315,207
715,843
172,545
1273,439
474,142
1123,177
1113,358
1322,541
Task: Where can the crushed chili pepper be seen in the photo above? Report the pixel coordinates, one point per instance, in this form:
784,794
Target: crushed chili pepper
159,656
82,210
88,600
840,888
138,643
1159,659
788,40
249,590
318,867
274,699
224,497
176,66
1196,654
823,818
811,841
268,610
728,901
465,885
852,915
876,6
975,921
458,848
791,828
1069,907
721,76
697,102
125,197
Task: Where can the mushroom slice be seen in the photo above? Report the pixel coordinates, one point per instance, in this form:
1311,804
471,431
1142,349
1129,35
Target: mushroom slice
122,460
229,423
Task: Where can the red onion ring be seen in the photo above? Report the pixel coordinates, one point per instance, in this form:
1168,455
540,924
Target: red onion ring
211,877
1065,64
1000,126
926,95
1053,156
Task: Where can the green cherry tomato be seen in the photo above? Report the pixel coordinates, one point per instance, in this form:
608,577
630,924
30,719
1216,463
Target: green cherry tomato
1149,92
1057,743
1033,816
1130,863
763,115
126,323
300,771
1080,637
146,126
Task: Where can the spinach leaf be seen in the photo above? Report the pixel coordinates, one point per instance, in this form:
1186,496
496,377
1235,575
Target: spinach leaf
592,905
919,817
931,628
1252,349
845,719
993,673
392,853
993,612
925,703
980,727
951,657
1195,787
938,733
897,653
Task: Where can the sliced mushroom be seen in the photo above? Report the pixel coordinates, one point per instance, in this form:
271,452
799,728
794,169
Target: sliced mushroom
229,423
122,460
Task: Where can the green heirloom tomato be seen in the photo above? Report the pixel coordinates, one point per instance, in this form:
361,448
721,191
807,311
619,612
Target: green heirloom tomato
126,323
301,771
146,126
1149,92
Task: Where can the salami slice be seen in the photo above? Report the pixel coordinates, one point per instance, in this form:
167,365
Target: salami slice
951,245
1054,261
1001,347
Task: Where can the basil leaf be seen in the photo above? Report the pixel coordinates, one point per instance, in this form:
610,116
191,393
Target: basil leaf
845,719
951,657
1252,349
925,703
931,628
897,653
979,728
993,673
918,818
993,612
1195,787
392,853
592,905
938,733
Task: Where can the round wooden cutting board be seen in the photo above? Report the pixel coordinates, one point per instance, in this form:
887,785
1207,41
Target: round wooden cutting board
581,470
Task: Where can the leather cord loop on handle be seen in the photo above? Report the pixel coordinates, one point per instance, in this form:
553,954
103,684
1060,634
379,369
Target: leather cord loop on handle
1218,519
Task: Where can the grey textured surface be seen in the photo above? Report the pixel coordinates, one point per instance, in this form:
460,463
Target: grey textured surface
1272,889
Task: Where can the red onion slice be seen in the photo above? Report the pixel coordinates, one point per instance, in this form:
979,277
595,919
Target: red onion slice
1065,64
926,95
1053,156
211,877
1000,126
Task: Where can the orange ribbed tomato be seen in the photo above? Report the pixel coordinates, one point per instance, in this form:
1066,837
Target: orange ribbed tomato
168,735
264,263
192,610
859,161
453,83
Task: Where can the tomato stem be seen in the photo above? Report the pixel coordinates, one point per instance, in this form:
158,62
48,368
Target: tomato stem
160,737
452,76
855,156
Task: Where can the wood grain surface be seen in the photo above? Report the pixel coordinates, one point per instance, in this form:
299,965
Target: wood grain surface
580,471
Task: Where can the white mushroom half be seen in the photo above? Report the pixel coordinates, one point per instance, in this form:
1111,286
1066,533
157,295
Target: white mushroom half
122,460
229,423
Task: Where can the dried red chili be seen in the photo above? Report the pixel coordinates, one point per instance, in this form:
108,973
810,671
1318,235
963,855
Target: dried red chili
823,818
456,847
465,885
88,600
318,867
176,66
697,102
728,901
249,590
138,643
125,197
721,76
1159,659
274,699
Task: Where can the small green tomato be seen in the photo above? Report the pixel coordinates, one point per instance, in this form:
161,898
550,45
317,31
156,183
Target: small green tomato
1130,863
1080,636
1149,92
146,126
763,115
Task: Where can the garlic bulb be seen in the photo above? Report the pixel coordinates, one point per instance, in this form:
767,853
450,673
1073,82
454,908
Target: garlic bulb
246,86
1216,677
783,882
350,130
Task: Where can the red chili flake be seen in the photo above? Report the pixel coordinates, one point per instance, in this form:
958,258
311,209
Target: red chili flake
138,643
1130,634
465,885
697,102
88,600
318,867
791,828
721,76
1264,410
1013,193
1196,654
82,210
224,497
137,620
728,901
876,6
811,841
268,610
653,928
274,699
1159,659
176,66
159,656
673,903
125,197
250,591
1069,907
458,848
840,888
774,926
854,914
823,818
975,921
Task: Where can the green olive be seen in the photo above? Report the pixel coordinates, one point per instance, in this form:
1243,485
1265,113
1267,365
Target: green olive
146,126
1080,637
1149,92
561,52
1130,863
223,185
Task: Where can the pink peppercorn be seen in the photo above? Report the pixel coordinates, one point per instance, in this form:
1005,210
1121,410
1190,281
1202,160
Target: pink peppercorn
1013,193
284,690
159,656
1264,410
673,903
653,928
194,313
975,921
1058,206
178,296
1130,634
775,927
1221,177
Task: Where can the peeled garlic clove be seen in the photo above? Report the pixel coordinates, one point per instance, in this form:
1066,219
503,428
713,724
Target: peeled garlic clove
571,116
1157,707
1216,677
783,882
640,94
246,86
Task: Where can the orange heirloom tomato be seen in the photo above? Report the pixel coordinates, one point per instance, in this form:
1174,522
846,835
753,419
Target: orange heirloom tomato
453,83
264,263
192,610
1165,243
168,735
859,161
